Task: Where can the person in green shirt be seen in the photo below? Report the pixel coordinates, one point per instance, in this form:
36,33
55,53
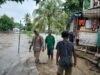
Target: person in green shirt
98,40
49,43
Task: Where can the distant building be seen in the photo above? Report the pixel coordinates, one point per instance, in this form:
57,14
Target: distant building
15,29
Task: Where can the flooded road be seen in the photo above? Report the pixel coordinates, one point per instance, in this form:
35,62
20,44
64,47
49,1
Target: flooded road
12,63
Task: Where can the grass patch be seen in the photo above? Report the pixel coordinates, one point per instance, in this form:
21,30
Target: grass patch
28,33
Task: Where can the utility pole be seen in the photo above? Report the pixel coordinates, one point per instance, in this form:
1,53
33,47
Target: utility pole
19,37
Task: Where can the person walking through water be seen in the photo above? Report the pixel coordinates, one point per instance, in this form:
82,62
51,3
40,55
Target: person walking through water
49,43
37,44
65,51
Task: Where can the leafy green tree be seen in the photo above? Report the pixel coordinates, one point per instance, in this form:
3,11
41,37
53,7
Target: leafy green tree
6,23
71,7
49,14
18,25
27,18
28,24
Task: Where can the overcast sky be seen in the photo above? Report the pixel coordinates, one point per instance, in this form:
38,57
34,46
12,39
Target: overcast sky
18,10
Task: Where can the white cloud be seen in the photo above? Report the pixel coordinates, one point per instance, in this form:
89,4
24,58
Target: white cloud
18,10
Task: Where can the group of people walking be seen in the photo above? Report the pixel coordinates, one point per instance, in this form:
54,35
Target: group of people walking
65,50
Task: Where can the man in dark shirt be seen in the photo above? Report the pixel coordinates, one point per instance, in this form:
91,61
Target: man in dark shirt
65,51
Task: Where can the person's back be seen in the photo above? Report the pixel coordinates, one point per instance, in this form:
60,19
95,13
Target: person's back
65,49
37,42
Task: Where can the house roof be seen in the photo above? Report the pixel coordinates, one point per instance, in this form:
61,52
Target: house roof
92,13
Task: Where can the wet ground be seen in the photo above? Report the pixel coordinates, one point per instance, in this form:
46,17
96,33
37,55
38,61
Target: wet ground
50,68
12,63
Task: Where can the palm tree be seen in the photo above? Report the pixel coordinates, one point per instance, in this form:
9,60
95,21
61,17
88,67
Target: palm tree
27,20
49,14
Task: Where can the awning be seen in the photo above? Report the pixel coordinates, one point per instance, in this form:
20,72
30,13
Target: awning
92,13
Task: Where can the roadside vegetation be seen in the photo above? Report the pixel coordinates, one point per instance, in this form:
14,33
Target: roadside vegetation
52,15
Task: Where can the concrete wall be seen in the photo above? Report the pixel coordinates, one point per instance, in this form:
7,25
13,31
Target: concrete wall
87,38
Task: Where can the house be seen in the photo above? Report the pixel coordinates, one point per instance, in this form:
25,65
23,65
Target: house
86,24
91,10
16,30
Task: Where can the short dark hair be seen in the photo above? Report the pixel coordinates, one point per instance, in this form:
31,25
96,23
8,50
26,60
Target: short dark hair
65,34
36,32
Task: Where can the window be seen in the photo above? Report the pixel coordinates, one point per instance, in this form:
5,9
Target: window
88,25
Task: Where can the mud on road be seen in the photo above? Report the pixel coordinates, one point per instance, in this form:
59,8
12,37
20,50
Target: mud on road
50,68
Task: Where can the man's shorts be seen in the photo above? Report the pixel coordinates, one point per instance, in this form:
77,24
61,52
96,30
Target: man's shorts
50,51
36,53
61,70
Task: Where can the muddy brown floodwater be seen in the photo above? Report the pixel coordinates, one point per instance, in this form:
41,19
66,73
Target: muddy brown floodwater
9,56
12,63
50,68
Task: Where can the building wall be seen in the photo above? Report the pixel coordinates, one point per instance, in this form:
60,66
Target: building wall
87,38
